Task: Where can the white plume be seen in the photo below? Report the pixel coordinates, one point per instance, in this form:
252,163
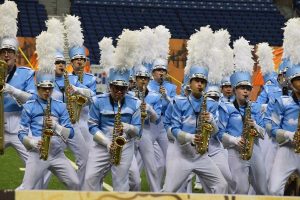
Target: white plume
198,47
8,19
265,57
74,31
243,55
127,49
228,62
107,51
46,50
291,42
56,28
219,50
290,36
161,42
147,45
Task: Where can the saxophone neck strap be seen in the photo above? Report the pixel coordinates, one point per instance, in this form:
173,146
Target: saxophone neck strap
194,110
112,103
236,105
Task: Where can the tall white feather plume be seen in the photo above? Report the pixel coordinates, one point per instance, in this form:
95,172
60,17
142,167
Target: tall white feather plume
74,31
198,47
243,55
228,62
46,50
147,45
56,28
265,57
218,53
292,40
290,36
8,19
107,51
127,49
162,35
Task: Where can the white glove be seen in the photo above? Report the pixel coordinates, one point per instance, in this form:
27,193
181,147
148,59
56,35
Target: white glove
230,141
130,130
100,138
151,113
184,137
289,135
83,91
30,143
18,94
61,131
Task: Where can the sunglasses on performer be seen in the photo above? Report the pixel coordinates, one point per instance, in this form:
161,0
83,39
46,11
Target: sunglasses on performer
60,62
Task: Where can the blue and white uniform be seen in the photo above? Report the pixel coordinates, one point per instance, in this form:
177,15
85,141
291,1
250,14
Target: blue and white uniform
231,124
101,122
32,120
184,116
77,144
22,79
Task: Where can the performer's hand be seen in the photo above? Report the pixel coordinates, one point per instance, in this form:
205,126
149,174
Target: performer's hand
162,91
205,116
39,144
143,107
241,143
197,139
251,122
49,123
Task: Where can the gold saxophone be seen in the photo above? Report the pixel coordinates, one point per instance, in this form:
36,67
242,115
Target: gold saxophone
3,73
204,129
118,141
296,139
47,133
248,136
80,76
143,111
74,102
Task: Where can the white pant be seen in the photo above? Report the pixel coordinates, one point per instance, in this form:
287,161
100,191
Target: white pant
11,128
243,170
286,162
186,162
80,150
57,163
99,165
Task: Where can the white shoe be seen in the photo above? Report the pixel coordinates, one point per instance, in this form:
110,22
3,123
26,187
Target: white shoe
198,186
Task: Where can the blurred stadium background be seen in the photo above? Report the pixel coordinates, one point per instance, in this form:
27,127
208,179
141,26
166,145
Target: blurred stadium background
256,20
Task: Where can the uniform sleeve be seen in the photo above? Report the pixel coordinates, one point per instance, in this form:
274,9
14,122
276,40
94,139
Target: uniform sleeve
29,84
93,86
176,120
222,122
64,120
263,97
168,117
258,117
94,119
136,118
24,123
276,117
157,107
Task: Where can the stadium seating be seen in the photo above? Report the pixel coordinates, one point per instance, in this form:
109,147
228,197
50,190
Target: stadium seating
256,20
31,18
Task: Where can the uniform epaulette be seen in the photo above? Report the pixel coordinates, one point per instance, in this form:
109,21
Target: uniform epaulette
31,101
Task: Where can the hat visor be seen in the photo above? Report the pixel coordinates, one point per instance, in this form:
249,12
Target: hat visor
244,83
119,83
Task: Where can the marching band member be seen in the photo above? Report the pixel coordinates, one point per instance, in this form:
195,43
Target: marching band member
162,86
77,144
186,111
114,115
285,117
233,120
48,118
19,85
78,61
226,90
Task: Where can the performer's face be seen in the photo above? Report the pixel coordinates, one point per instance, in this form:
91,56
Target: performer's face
142,81
118,92
296,84
226,90
60,67
242,92
44,92
78,64
9,56
197,86
159,74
